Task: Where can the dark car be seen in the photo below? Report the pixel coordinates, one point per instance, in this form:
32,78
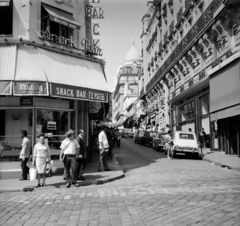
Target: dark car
147,138
158,142
139,133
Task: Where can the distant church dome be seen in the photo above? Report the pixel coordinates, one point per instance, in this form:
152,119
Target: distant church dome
132,56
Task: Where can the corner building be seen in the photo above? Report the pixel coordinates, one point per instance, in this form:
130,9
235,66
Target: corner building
191,78
49,82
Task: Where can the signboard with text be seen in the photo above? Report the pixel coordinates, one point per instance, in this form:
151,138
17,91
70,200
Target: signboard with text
78,93
30,88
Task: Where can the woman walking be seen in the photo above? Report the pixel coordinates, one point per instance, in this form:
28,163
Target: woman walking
41,156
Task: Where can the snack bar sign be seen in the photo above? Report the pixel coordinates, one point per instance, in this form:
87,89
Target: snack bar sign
72,92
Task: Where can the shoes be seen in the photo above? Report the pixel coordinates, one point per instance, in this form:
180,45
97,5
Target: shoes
81,178
21,179
44,185
99,170
76,185
38,186
169,157
68,185
107,170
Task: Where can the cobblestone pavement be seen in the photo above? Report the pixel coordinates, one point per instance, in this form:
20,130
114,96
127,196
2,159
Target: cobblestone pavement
161,192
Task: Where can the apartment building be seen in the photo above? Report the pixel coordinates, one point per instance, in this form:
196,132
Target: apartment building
191,76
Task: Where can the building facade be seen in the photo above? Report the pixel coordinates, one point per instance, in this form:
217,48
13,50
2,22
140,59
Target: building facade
191,79
126,89
50,78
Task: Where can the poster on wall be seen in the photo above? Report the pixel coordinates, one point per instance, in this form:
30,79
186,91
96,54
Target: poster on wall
30,88
38,130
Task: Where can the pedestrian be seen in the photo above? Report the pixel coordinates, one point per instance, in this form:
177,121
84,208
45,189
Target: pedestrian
118,136
110,142
202,140
24,154
69,150
167,128
41,156
169,143
82,156
189,130
103,148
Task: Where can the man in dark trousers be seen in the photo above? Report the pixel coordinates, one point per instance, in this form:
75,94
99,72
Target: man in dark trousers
82,155
24,155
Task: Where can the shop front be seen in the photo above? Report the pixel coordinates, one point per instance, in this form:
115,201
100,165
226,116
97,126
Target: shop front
190,110
225,107
44,91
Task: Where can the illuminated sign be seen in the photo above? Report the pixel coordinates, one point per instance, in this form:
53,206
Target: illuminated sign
67,2
64,22
46,35
95,29
91,47
94,13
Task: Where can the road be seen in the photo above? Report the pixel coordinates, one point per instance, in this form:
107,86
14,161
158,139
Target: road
156,191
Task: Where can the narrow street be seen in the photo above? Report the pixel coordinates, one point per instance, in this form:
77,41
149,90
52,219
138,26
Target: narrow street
156,191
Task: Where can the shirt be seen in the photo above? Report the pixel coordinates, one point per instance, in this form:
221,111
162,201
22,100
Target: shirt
69,147
103,141
25,152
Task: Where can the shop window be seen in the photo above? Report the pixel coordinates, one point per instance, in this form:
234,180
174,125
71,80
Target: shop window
187,112
56,29
204,101
6,18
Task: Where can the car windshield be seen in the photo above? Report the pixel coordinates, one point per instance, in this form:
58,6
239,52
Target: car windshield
186,136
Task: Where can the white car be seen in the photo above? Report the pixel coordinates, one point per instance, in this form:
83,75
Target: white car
185,143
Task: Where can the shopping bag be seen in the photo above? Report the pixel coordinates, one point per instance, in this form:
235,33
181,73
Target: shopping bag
33,173
48,170
53,167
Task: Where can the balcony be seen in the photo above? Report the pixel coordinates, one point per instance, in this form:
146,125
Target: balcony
151,40
142,92
197,29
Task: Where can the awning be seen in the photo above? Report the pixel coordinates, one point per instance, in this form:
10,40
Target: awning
222,97
62,17
7,62
225,113
74,78
5,88
30,78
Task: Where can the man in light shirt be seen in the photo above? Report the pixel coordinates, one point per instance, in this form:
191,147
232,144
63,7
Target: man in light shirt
24,155
69,151
103,148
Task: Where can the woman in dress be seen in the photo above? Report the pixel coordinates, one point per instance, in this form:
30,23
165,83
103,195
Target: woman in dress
41,156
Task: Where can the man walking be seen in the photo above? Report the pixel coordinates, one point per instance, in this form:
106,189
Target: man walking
24,155
82,155
103,148
69,150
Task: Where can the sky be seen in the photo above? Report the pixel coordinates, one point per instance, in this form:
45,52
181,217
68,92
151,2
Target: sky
122,23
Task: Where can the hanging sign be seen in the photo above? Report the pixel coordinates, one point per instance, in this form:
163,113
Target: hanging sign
94,13
51,125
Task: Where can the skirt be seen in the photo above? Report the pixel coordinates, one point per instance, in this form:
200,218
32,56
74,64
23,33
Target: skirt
41,164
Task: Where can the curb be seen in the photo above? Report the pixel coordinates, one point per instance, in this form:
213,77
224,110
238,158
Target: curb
85,183
220,164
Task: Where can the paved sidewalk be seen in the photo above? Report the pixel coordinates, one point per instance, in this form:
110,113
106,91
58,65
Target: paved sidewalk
56,181
221,159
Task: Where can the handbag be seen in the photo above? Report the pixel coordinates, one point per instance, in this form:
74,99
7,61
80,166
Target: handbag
32,173
63,155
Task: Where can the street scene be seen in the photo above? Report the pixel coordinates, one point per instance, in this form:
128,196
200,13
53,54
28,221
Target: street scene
120,112
154,191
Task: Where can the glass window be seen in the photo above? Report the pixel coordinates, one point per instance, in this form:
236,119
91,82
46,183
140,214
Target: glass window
6,19
186,136
204,102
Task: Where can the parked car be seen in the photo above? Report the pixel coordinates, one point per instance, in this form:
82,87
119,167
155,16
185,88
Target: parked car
128,133
158,142
184,143
139,133
147,138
